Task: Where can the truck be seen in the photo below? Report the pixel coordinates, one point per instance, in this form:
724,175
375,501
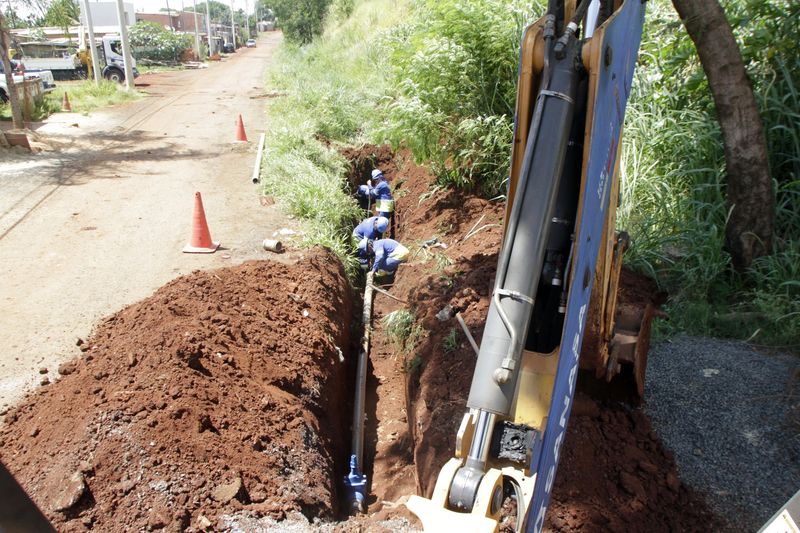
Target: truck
69,62
44,77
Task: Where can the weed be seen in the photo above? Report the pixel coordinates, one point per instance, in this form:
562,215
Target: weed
673,178
442,261
450,342
402,330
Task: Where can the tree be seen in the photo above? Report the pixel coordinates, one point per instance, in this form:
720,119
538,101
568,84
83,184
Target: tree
63,14
300,20
219,12
750,200
13,99
152,41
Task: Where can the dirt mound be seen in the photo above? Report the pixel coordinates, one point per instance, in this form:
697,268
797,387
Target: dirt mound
614,474
225,390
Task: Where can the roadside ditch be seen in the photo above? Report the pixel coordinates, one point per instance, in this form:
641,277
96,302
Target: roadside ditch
615,475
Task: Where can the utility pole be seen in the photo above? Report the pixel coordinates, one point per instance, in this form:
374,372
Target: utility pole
13,95
246,19
169,17
233,27
126,47
196,35
91,44
208,28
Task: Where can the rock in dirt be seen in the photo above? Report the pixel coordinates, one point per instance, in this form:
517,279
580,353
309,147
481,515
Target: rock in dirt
69,493
227,492
67,368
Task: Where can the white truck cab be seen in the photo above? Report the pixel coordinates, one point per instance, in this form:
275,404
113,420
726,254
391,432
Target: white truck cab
114,69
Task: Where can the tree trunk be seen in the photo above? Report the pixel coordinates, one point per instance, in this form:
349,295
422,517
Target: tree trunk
13,97
751,204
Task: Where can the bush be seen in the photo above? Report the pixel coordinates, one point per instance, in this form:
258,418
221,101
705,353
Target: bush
152,41
455,70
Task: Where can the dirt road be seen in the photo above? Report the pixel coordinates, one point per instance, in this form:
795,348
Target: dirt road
99,222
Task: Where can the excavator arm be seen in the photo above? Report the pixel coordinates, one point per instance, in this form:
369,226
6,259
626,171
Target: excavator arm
559,263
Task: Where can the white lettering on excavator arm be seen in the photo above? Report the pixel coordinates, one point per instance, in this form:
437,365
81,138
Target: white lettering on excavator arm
562,423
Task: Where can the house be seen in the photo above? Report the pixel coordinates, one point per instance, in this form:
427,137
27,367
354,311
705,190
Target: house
180,21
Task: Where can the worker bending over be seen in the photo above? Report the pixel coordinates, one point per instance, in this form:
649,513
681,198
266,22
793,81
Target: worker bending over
377,189
370,229
387,255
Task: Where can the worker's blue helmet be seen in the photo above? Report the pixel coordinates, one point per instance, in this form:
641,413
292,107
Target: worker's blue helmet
381,224
377,174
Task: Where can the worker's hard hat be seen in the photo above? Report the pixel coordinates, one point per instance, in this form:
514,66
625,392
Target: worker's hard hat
363,190
377,174
381,224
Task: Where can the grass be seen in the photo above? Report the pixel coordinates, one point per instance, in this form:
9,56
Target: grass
402,330
331,92
450,342
84,96
439,77
673,183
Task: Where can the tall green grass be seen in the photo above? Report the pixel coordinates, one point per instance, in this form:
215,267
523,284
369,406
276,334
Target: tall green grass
439,77
454,66
331,93
673,177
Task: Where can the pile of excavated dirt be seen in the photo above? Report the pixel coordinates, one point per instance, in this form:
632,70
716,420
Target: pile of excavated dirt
614,474
224,391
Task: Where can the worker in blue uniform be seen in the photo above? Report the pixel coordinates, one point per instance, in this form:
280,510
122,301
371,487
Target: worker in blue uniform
370,229
378,190
387,255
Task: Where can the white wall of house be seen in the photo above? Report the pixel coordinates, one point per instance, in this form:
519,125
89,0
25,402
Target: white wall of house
105,13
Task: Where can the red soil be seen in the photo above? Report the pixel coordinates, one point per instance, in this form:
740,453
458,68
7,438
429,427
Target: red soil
614,474
224,391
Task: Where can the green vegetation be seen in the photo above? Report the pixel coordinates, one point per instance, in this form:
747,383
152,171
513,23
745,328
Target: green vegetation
454,67
673,177
450,342
302,21
439,78
84,97
401,328
152,41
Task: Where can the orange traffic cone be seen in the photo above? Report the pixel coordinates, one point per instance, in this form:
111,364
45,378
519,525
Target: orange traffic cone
65,105
240,134
201,242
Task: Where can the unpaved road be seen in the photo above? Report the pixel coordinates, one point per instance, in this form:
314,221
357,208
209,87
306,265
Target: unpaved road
100,222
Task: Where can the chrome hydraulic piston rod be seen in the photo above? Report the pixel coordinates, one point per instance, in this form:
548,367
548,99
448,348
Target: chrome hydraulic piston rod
519,266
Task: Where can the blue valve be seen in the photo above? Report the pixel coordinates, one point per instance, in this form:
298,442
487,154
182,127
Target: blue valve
356,484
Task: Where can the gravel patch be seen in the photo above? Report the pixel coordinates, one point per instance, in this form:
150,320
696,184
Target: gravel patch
731,415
